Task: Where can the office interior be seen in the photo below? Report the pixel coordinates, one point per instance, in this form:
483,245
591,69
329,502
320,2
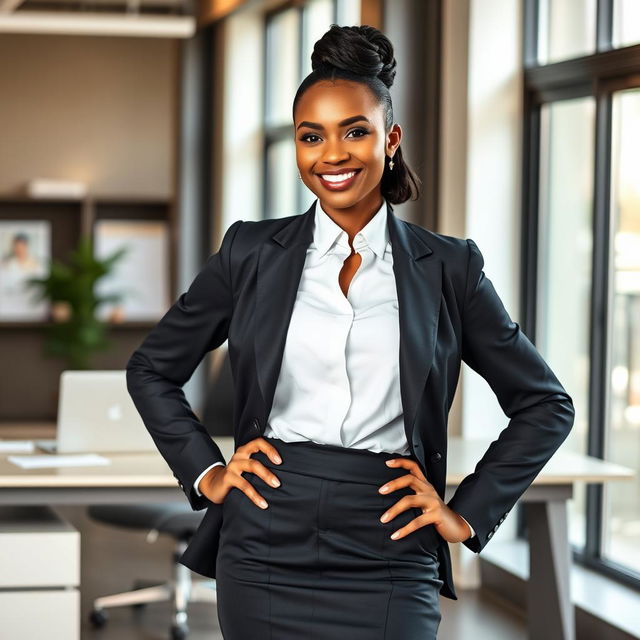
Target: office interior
156,124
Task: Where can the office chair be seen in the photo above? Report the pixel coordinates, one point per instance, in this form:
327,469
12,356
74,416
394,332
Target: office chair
175,519
178,520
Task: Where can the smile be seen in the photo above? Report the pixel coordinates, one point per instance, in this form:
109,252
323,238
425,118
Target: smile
338,181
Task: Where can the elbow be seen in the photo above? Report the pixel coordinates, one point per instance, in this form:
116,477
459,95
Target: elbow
567,414
134,370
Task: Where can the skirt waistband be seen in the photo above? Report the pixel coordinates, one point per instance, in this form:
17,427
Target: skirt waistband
332,462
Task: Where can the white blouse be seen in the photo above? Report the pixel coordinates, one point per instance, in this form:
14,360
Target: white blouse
339,382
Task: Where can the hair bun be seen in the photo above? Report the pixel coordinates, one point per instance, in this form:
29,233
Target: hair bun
363,50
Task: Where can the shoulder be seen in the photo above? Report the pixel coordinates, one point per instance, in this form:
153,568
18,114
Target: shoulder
253,232
461,259
446,247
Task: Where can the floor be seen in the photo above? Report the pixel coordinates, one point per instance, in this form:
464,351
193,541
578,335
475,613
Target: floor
112,559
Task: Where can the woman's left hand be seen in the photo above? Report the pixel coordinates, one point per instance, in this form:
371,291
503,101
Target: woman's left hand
448,523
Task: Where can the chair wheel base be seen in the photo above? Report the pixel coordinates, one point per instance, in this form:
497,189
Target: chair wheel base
98,618
179,632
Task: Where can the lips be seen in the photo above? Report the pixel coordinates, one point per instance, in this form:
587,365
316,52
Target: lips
339,181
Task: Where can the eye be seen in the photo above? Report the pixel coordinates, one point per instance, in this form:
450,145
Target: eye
306,136
362,130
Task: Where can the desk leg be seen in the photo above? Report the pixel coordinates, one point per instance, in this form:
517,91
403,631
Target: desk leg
550,610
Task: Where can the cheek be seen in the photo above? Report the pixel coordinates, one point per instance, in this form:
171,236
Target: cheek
306,157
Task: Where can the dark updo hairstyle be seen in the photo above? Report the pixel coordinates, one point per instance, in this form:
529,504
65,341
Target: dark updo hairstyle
364,54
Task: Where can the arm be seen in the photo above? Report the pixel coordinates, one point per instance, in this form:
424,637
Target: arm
540,410
196,323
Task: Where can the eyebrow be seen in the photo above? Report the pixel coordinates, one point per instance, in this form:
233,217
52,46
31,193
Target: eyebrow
342,123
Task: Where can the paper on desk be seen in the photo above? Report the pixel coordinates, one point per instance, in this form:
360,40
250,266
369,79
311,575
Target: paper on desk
14,446
57,460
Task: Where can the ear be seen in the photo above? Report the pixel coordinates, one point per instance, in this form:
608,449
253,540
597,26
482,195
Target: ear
393,139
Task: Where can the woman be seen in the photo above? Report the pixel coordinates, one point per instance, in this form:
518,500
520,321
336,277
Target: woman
346,331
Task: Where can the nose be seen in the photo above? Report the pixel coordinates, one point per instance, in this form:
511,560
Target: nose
334,153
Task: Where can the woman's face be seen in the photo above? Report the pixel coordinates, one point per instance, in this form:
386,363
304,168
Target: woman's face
339,129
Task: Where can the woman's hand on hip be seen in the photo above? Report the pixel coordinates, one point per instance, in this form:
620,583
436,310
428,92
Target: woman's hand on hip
219,480
448,523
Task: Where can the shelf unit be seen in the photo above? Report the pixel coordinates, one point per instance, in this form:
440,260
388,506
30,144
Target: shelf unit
25,396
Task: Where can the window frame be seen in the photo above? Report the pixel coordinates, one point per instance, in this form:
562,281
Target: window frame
598,75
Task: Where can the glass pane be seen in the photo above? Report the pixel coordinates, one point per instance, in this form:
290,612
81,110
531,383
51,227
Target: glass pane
626,23
564,259
282,66
282,179
317,18
621,522
349,12
566,29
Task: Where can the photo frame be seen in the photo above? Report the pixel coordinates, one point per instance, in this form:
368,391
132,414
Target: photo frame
25,252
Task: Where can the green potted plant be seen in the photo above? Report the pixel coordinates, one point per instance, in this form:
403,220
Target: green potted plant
76,332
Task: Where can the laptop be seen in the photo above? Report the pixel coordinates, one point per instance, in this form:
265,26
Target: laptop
96,414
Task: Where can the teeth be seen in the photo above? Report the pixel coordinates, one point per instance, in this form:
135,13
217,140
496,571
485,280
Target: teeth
339,177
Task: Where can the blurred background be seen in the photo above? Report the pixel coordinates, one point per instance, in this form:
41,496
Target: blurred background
132,134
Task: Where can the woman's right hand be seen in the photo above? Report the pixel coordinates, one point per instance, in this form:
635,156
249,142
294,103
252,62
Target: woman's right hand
219,480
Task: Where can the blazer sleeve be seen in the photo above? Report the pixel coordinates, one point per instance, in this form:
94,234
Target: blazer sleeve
196,323
541,412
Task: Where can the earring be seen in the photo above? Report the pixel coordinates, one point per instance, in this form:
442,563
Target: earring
391,164
299,176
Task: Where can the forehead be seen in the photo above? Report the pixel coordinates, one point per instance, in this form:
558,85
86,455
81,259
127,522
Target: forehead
329,102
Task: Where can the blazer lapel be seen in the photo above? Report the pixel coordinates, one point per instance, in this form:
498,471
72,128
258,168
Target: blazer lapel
418,285
280,265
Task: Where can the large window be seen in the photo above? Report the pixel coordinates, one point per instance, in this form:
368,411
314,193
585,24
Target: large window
582,217
291,32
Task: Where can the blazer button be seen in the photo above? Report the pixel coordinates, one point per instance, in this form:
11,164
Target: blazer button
489,534
255,423
436,457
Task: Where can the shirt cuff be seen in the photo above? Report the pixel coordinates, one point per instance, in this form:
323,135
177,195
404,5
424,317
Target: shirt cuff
473,533
197,482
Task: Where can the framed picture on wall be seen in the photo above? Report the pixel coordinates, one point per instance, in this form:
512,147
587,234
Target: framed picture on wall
141,276
25,252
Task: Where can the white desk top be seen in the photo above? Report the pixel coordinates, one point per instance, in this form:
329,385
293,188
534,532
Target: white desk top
150,469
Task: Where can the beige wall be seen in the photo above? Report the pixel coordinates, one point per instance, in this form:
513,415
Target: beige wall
97,109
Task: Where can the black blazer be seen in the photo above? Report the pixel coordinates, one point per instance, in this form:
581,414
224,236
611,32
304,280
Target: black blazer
449,312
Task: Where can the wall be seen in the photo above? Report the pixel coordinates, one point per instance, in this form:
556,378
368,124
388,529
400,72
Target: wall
97,109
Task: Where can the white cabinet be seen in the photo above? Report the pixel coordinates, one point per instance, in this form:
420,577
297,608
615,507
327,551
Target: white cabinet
39,575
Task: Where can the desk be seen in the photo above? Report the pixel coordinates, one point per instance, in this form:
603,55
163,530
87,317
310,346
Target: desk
550,614
135,478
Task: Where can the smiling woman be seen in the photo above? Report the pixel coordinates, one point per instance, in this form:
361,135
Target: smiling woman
330,545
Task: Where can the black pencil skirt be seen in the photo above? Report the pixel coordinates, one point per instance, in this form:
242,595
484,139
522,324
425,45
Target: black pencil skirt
317,563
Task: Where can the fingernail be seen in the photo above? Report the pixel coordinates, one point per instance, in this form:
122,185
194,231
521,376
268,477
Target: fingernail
384,517
263,504
394,535
275,482
390,461
383,489
277,459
